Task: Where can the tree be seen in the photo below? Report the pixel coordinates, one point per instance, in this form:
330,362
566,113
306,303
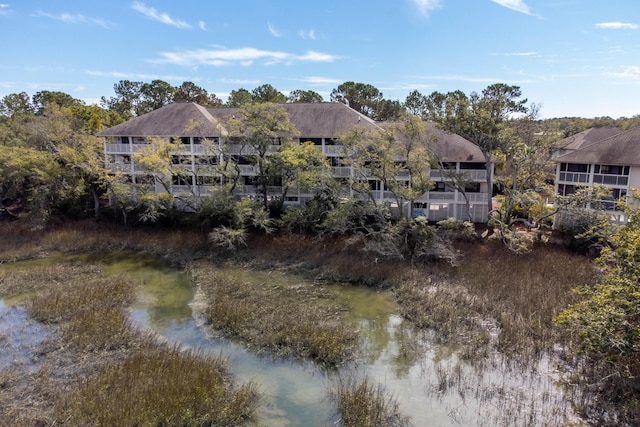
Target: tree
480,118
128,97
262,129
238,98
359,96
16,103
190,92
304,96
608,319
395,155
301,166
267,93
416,104
154,95
61,99
387,110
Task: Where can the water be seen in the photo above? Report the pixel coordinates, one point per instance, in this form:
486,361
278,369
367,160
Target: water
430,383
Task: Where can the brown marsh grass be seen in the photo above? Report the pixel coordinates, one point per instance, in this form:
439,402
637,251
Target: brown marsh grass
367,404
282,319
95,368
161,387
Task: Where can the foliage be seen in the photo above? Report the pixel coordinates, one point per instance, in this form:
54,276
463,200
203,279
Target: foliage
263,129
479,118
607,321
360,96
583,217
304,96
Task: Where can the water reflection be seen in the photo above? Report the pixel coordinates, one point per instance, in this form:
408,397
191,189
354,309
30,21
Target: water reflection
432,385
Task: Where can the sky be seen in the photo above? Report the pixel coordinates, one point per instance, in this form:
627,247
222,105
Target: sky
572,58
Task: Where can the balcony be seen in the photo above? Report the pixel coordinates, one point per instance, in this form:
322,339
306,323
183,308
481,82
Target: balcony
471,174
580,177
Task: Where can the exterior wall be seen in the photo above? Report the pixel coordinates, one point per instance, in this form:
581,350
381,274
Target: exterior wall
435,205
573,175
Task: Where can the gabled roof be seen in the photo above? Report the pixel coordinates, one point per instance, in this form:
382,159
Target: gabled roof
313,120
177,119
620,149
450,147
587,137
446,146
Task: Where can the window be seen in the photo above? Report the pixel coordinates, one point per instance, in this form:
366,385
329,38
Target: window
472,165
566,189
612,169
206,160
316,141
124,139
182,180
207,180
574,167
472,187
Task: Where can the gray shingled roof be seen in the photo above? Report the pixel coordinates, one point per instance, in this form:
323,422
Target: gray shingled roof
587,137
620,149
313,120
177,119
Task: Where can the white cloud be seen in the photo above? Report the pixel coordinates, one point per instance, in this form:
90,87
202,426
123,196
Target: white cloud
4,9
631,72
517,5
315,80
243,56
426,6
310,34
516,54
274,31
74,19
138,76
202,25
152,13
617,26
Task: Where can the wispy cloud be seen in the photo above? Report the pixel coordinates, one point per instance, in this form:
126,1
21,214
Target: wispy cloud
316,80
274,31
308,34
515,54
202,25
517,5
152,13
426,6
243,56
137,76
631,72
74,19
617,26
4,9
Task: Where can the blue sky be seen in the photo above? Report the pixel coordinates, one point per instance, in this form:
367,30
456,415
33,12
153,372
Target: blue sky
572,57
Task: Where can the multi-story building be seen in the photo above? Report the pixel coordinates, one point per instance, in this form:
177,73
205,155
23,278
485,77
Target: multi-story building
613,162
204,144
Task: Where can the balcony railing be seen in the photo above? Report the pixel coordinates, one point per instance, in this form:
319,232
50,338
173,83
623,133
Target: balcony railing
618,180
574,177
472,174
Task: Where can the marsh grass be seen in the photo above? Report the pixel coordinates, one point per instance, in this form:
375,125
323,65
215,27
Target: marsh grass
494,291
24,241
161,387
101,370
276,317
367,404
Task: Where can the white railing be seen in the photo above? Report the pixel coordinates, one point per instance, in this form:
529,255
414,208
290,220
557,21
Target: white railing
574,177
341,171
334,150
472,174
619,180
119,167
117,148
